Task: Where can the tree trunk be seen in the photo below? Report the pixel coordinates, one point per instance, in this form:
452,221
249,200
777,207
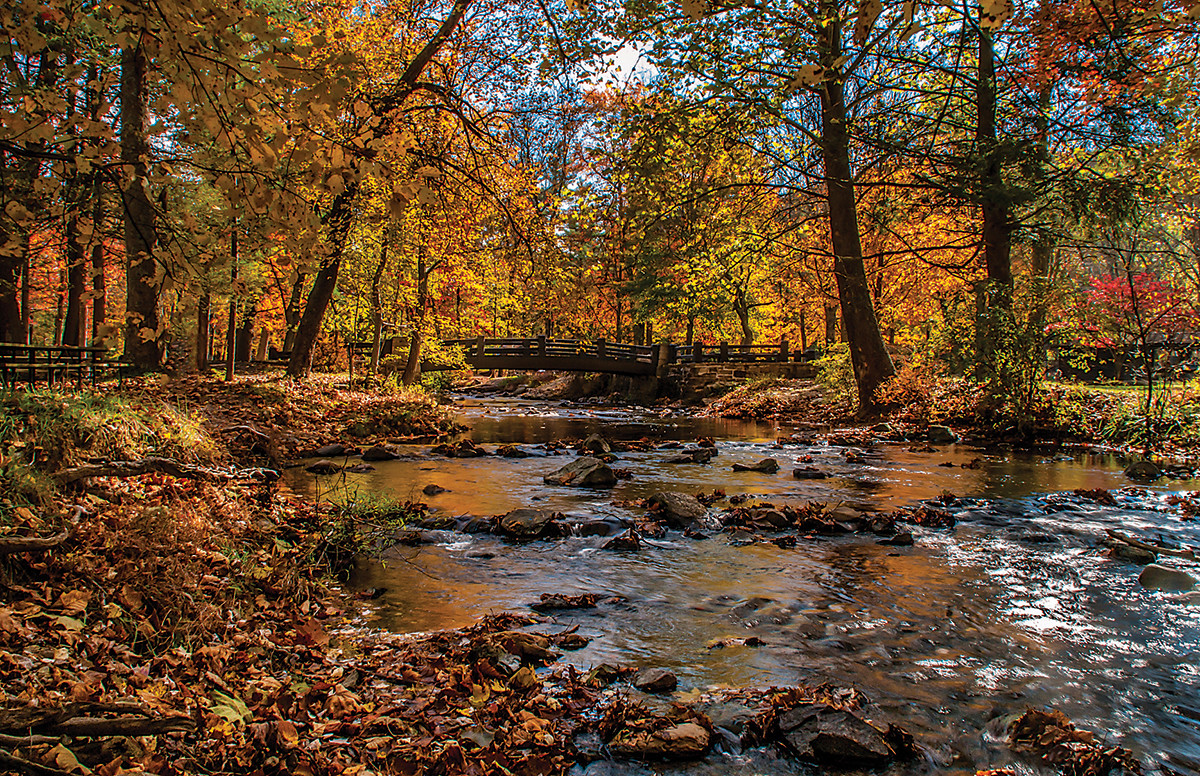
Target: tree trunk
203,330
291,313
412,369
996,231
99,289
691,329
868,354
244,341
377,309
337,220
231,327
143,340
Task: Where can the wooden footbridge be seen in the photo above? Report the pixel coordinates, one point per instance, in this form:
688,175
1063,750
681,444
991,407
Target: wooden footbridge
538,353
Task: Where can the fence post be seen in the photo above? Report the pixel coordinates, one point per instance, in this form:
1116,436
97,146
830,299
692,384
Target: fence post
697,353
724,354
479,346
541,345
600,348
783,349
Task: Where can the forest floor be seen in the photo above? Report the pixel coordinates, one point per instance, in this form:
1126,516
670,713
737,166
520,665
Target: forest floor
168,605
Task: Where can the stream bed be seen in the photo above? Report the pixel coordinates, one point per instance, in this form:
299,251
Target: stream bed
1015,606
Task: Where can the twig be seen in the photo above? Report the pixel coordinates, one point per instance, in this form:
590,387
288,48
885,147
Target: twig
122,726
12,762
162,465
7,740
14,544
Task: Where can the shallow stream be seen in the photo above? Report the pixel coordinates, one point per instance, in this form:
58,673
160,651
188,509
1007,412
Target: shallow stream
1015,606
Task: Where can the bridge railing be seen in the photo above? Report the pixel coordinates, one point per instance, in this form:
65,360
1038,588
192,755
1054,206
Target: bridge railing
484,347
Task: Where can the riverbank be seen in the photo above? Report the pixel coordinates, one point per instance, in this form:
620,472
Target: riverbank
178,617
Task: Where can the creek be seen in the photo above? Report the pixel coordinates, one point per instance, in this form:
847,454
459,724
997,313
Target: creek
1015,606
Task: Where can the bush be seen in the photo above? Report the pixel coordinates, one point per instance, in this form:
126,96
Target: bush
835,373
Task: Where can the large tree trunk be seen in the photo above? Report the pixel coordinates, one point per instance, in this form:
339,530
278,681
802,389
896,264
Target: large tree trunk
338,223
868,354
996,231
143,340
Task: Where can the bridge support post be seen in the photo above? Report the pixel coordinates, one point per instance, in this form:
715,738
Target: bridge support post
541,345
724,355
662,359
783,349
600,348
479,346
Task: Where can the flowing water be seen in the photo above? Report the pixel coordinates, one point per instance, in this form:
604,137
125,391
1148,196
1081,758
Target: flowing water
1015,606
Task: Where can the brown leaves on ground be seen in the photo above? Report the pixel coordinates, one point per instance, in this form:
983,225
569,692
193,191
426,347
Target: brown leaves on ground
297,415
1055,740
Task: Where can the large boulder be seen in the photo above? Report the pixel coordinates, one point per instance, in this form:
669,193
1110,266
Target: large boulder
526,523
1143,470
596,444
825,734
1156,577
941,435
678,742
677,509
584,472
380,453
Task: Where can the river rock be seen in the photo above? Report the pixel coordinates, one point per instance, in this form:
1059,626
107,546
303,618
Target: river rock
596,444
824,734
940,435
585,472
526,523
679,742
694,455
766,517
899,540
599,527
655,680
1156,577
360,468
809,473
1191,599
433,490
677,509
380,453
626,541
511,451
882,428
331,451
766,466
473,524
1143,470
323,467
